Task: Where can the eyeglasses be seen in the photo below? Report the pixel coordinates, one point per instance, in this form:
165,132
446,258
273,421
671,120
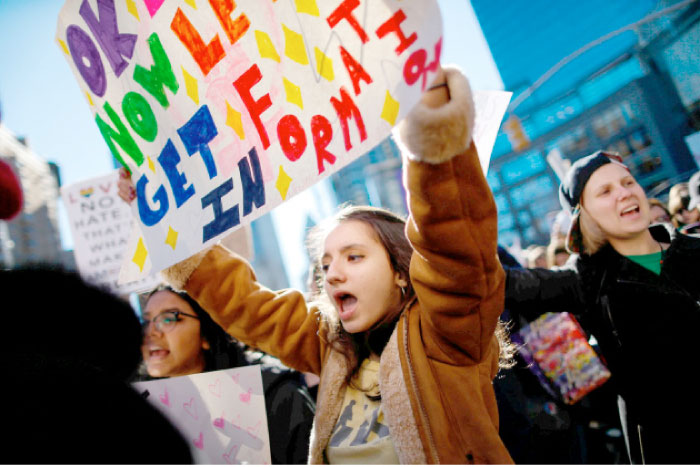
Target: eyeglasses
165,321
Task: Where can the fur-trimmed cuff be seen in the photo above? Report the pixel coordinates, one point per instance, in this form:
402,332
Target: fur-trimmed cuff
435,135
178,274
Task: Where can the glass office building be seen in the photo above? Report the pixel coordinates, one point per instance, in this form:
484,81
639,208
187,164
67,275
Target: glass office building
636,94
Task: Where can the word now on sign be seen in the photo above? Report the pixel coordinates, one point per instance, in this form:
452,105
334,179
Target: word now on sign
222,110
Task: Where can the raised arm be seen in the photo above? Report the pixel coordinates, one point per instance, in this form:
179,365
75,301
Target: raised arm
452,226
277,322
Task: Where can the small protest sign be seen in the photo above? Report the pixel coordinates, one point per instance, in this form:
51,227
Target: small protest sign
222,110
100,223
220,413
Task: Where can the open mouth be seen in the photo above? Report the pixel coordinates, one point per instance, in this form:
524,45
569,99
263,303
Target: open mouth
630,211
157,353
346,303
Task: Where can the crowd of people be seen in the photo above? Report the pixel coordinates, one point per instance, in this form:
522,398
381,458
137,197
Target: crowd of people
406,329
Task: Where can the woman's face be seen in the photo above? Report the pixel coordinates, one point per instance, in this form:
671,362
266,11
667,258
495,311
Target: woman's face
658,215
180,350
359,278
614,199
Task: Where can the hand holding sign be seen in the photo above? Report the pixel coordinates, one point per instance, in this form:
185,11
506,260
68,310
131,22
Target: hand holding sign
223,110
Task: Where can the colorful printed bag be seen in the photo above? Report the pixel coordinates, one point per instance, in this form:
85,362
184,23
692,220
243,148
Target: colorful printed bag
558,352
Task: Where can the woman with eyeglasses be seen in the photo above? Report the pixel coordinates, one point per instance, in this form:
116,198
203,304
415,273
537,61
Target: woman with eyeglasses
635,288
179,338
173,341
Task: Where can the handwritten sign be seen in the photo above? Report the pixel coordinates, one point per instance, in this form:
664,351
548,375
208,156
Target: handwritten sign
220,413
100,223
223,109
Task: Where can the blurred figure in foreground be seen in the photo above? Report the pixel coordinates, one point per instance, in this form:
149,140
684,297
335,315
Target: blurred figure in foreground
67,352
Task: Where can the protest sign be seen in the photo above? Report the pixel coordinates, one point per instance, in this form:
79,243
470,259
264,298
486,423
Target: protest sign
490,108
100,223
220,413
222,110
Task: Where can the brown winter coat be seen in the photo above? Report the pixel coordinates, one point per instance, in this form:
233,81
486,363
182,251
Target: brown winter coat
436,371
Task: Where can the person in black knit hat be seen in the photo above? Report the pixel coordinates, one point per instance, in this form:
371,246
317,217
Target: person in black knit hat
635,288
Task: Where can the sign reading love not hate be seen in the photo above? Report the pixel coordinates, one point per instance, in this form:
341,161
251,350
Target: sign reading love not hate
222,109
100,224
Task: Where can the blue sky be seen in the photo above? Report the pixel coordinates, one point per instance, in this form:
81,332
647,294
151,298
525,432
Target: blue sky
40,98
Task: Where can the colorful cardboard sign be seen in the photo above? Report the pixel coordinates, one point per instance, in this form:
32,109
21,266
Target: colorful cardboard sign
222,110
220,413
100,223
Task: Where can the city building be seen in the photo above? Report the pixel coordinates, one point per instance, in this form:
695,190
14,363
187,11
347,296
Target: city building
373,179
635,94
33,235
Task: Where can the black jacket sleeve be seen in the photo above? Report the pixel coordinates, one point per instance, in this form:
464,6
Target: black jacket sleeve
532,292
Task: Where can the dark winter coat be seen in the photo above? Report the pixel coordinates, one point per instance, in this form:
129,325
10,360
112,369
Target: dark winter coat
645,325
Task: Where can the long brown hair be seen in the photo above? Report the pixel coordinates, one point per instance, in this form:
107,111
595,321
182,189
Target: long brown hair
390,231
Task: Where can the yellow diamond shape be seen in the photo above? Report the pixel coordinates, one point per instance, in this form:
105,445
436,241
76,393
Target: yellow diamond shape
191,85
131,7
171,239
293,93
390,110
63,46
282,183
140,254
89,98
151,165
294,46
307,6
191,3
324,65
265,46
233,119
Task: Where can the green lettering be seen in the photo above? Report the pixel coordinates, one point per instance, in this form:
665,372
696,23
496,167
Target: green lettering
121,135
161,73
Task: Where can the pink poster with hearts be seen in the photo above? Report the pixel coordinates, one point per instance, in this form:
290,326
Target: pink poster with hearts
220,413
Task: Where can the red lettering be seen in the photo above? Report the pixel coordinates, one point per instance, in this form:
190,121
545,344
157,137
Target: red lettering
105,188
415,67
346,109
393,24
255,108
355,70
206,55
291,137
344,11
234,28
322,133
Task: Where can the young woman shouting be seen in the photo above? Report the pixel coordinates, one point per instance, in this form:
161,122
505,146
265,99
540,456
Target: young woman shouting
405,344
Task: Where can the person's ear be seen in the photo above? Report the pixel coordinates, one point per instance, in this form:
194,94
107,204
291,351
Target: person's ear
400,281
205,344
